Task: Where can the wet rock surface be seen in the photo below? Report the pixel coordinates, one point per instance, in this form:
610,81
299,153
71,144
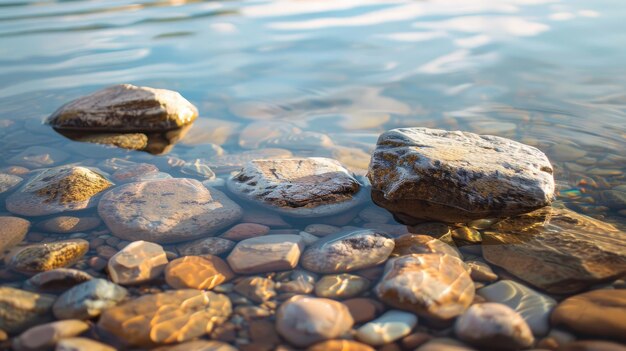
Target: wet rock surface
88,300
387,328
46,336
20,310
12,231
430,174
56,280
266,254
197,272
45,257
137,263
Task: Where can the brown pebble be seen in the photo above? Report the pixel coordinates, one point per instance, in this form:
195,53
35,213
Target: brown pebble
96,243
226,333
340,345
415,340
390,347
106,252
97,263
263,333
363,309
245,231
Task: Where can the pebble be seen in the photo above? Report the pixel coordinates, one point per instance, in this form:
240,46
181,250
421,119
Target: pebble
167,210
88,300
139,262
489,324
38,157
363,309
128,141
165,318
48,256
205,246
12,231
321,229
434,229
481,272
244,231
134,172
417,244
197,272
341,286
56,190
340,345
431,285
56,280
82,344
20,309
257,289
304,320
268,253
8,182
466,235
389,327
198,345
69,224
46,336
347,251
444,344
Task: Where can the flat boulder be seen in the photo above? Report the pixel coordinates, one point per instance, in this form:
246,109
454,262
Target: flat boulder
125,108
421,174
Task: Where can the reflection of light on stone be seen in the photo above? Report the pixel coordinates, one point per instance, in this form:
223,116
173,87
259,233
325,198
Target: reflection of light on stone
473,42
496,26
562,16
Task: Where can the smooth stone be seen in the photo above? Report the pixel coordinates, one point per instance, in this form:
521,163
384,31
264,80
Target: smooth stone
125,108
9,182
304,320
363,309
417,244
347,251
600,313
243,231
198,345
234,162
12,231
444,344
481,272
466,235
48,256
417,174
257,289
82,344
493,325
592,345
299,187
56,280
20,310
166,318
165,211
137,263
534,307
205,246
321,229
56,190
88,300
557,250
389,327
308,239
268,253
431,285
47,335
340,345
69,224
38,157
197,272
128,141
134,172
341,286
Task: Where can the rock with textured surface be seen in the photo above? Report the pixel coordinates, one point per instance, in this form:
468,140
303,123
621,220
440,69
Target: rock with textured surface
88,299
82,344
166,211
45,336
56,280
8,182
431,285
266,254
431,174
20,310
166,318
387,328
197,272
599,313
257,289
494,325
304,320
300,187
557,250
125,108
347,251
137,263
12,231
69,224
534,307
48,256
205,246
59,189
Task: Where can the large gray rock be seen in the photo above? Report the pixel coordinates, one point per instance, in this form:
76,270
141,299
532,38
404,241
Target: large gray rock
300,187
125,108
431,174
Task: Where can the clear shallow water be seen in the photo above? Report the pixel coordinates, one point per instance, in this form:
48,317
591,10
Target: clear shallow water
547,73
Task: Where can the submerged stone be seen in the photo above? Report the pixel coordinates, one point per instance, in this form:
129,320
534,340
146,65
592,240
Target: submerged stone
88,300
82,344
20,310
430,174
48,256
197,272
45,336
341,286
12,231
59,279
69,224
39,157
125,108
137,263
387,328
205,246
267,253
129,141
8,182
417,244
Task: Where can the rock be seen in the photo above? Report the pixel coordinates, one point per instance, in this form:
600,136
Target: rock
600,313
493,325
8,182
268,253
432,285
592,345
69,224
467,236
135,172
137,263
205,246
347,251
197,272
444,344
304,320
257,289
166,211
88,300
614,199
321,229
198,345
387,328
12,231
341,286
48,256
430,174
534,307
481,272
340,345
363,309
300,187
20,310
198,168
45,336
417,244
56,280
165,318
129,141
59,189
125,108
81,344
557,250
243,231
39,157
